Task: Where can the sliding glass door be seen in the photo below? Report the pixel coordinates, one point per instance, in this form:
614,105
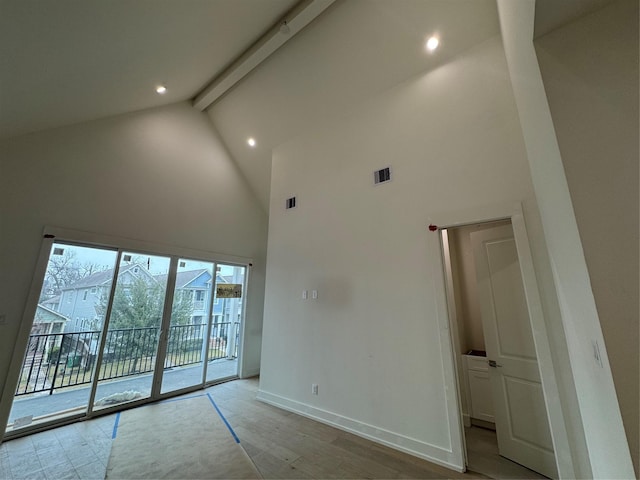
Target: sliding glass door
60,359
188,327
114,326
228,307
130,344
205,324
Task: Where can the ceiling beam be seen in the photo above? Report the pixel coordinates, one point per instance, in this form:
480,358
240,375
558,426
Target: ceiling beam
298,18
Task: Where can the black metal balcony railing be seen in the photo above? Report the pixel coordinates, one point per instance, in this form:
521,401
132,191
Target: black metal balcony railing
60,360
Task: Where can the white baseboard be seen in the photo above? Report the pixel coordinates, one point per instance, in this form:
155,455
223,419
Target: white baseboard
424,450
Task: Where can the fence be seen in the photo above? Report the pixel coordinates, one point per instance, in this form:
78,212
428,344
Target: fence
60,360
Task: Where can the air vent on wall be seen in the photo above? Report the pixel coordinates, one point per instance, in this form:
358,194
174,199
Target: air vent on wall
291,203
58,251
126,258
183,264
382,176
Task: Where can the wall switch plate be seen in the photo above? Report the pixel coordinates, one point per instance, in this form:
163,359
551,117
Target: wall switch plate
314,294
314,388
304,294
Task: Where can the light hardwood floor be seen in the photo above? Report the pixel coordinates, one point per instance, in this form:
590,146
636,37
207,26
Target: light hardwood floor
281,444
286,445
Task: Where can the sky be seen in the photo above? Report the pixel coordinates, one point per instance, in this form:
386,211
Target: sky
107,259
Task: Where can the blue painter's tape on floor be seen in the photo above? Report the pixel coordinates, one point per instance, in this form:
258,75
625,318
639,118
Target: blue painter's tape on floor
223,419
115,426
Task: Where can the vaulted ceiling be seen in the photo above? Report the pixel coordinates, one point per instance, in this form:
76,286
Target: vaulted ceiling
68,61
71,61
355,50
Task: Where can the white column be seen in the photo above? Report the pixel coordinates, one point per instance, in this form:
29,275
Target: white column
604,433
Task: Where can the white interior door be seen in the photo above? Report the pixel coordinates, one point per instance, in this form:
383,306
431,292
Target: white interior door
520,414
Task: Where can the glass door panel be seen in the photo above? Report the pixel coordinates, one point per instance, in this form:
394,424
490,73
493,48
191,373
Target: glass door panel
78,358
133,332
190,318
228,307
58,366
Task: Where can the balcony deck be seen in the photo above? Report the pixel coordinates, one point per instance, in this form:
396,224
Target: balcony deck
43,406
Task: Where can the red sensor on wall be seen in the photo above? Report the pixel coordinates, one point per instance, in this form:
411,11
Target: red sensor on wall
433,228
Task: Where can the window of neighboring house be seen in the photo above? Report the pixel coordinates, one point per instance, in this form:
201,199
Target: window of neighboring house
216,301
69,297
93,290
86,292
199,295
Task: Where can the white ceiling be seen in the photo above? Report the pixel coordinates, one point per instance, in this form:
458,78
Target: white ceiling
354,50
68,61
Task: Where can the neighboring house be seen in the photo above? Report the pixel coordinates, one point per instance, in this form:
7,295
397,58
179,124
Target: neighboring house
197,286
51,303
47,321
227,309
80,301
194,286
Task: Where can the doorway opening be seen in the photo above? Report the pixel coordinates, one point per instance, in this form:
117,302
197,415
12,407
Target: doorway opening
506,429
113,328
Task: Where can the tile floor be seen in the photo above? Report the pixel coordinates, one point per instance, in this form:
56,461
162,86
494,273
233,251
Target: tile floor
79,451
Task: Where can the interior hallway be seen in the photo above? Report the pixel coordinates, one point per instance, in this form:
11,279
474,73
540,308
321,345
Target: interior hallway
281,444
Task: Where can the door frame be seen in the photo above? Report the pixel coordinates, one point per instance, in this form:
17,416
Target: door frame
449,329
50,235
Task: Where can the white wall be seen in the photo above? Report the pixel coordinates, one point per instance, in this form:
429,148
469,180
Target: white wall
355,49
160,176
590,72
463,270
372,339
608,449
465,293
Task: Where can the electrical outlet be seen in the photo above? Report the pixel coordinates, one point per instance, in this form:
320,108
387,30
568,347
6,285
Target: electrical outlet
305,294
314,388
314,294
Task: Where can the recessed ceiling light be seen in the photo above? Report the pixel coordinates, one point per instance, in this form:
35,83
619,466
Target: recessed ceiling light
251,142
161,89
432,43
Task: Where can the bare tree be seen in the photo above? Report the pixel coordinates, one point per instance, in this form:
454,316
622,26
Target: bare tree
64,270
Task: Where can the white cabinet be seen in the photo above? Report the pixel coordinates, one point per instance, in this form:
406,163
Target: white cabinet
479,389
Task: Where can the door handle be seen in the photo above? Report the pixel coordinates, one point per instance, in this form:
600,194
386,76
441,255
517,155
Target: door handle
492,363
